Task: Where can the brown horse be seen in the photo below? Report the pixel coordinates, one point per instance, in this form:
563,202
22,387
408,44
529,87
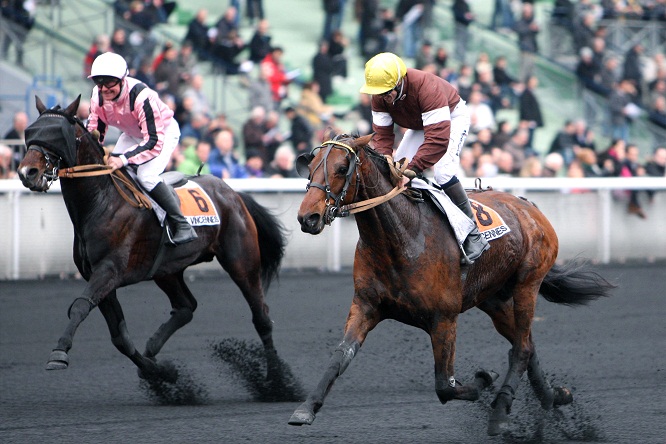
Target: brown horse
407,268
117,244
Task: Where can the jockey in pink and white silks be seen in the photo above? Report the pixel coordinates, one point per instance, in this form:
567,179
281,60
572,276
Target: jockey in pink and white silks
149,136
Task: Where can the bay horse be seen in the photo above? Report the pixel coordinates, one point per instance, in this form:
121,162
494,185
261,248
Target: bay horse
407,268
117,244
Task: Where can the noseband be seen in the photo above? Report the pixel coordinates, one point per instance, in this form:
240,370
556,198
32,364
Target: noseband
333,201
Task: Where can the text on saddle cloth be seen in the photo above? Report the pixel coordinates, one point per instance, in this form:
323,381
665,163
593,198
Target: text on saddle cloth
195,204
489,222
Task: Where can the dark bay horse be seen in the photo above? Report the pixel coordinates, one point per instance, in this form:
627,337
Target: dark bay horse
407,268
117,244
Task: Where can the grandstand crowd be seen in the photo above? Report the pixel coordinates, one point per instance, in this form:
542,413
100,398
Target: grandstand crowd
277,129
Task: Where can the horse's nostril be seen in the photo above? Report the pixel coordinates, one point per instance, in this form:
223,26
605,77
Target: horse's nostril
312,220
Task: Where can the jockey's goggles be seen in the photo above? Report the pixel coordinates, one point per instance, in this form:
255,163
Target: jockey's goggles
107,81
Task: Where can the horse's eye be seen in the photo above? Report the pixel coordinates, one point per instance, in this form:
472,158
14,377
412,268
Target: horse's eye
342,170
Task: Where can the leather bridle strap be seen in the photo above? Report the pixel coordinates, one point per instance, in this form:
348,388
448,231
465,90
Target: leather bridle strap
138,199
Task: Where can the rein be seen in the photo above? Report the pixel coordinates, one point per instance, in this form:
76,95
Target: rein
138,198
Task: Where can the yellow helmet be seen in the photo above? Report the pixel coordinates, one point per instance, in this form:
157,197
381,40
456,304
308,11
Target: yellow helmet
383,72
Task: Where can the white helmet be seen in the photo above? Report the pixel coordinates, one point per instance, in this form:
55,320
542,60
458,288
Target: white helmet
109,64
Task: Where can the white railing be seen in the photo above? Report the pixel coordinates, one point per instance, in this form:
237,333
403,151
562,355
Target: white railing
589,220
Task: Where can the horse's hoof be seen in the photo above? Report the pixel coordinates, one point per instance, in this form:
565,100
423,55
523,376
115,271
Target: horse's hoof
58,360
488,377
563,396
302,417
497,426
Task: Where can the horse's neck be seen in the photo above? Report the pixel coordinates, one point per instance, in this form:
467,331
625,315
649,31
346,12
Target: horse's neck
395,218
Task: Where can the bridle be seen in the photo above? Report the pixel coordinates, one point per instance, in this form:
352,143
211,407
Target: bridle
53,171
333,202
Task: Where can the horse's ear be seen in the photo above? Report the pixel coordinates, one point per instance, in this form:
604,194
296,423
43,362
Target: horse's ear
73,107
40,105
328,134
363,140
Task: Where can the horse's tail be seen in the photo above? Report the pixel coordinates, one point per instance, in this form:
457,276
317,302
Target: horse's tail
272,239
574,284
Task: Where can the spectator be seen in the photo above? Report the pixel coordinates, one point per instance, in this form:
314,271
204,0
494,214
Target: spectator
518,147
196,127
425,56
441,58
120,45
145,74
622,109
657,114
195,158
410,14
223,160
253,131
504,80
531,168
505,164
632,69
529,108
255,10
301,132
564,143
612,158
322,70
100,45
589,162
608,75
656,167
481,115
167,73
312,107
462,17
276,75
272,137
387,36
283,165
20,20
336,49
17,132
196,93
333,13
584,136
254,165
589,73
369,34
259,89
7,170
260,44
187,64
502,19
527,30
197,35
631,167
584,31
553,165
228,43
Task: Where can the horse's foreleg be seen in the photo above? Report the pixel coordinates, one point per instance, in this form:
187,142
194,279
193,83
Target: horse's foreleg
548,396
115,320
183,305
359,323
443,338
97,288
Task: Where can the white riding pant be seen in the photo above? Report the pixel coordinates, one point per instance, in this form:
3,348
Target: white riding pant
447,167
148,173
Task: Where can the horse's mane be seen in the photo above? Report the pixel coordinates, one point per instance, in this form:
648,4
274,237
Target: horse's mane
378,159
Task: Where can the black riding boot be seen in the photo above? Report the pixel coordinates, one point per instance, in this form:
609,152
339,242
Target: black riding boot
183,232
475,244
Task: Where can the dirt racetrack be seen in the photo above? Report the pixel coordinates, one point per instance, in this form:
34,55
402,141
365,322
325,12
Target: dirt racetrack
610,354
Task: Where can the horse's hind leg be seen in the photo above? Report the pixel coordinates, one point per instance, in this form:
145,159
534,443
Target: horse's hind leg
115,320
245,270
359,322
183,305
443,339
547,395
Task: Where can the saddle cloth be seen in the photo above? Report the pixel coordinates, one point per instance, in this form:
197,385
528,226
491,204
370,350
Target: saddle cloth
195,204
490,223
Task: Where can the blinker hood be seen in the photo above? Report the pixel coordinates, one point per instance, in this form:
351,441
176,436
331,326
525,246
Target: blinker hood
55,133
